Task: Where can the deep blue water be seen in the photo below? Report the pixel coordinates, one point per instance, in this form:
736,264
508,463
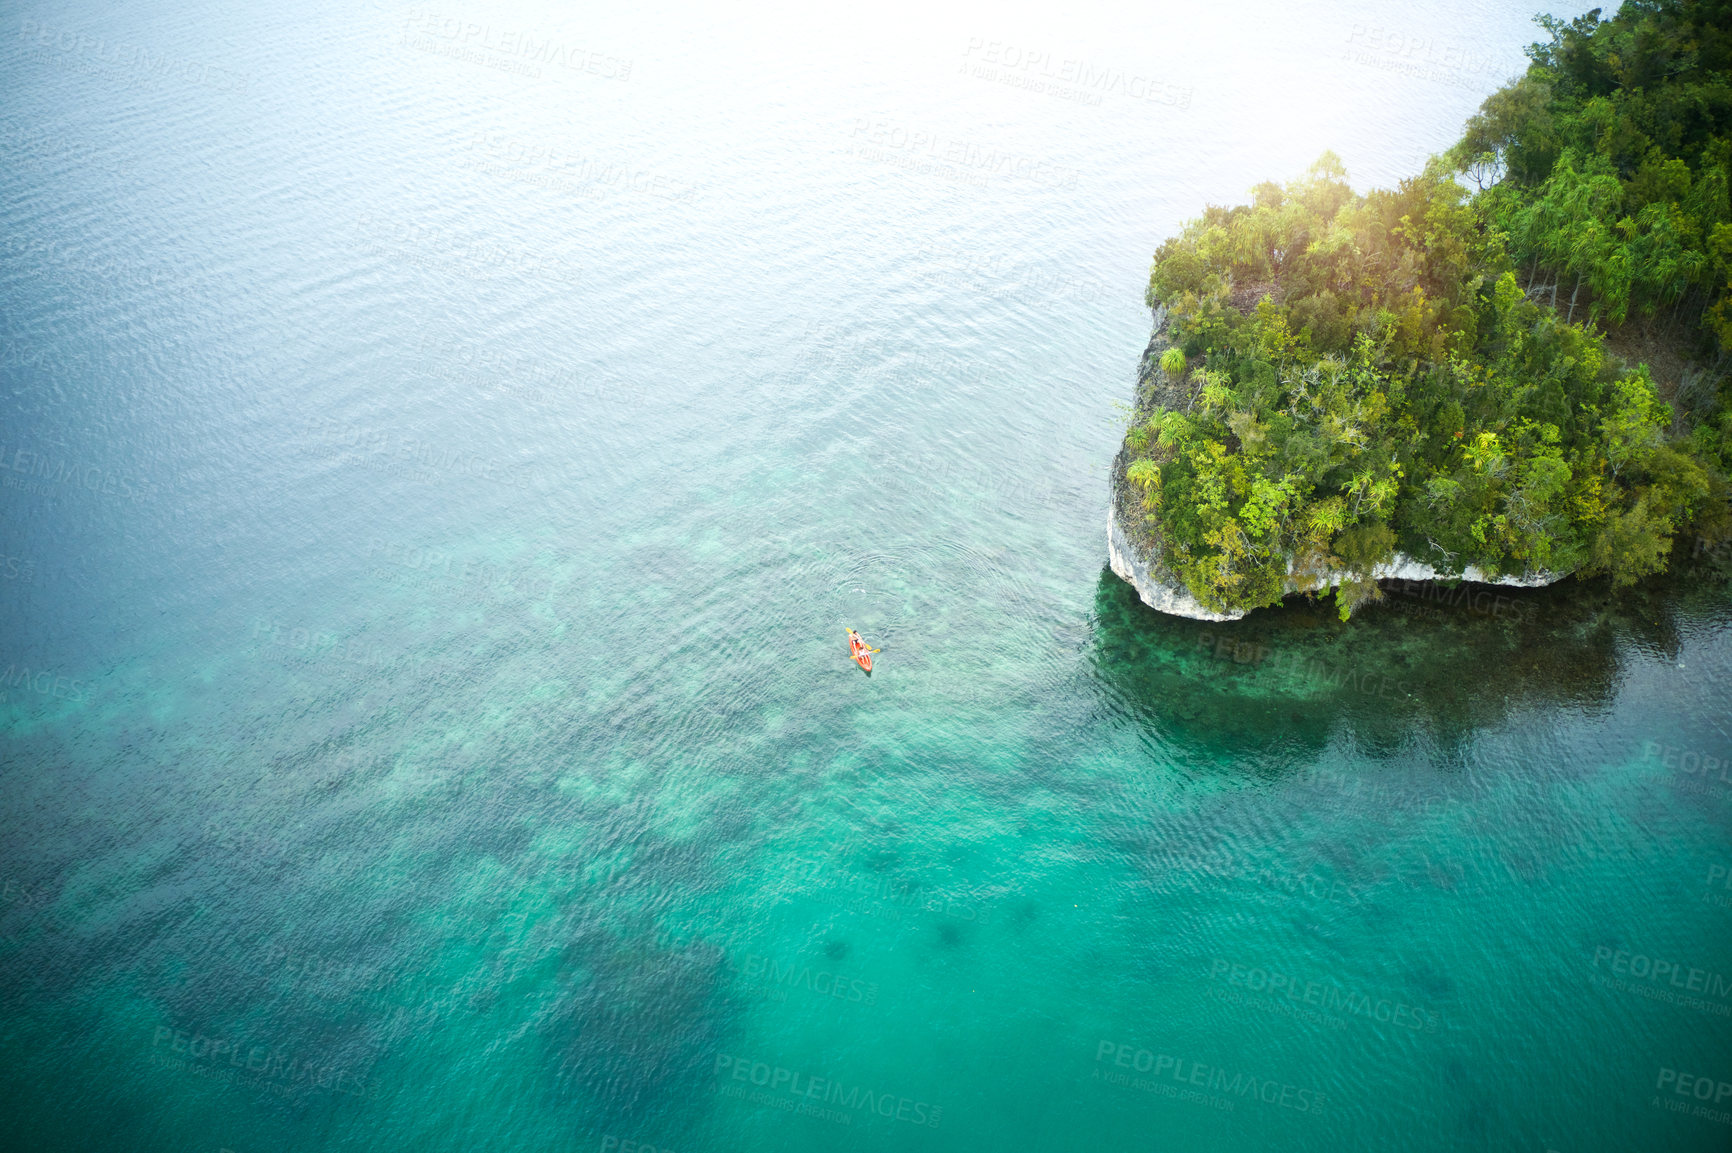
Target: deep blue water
440,451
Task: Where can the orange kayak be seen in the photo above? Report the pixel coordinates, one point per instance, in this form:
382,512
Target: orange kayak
859,651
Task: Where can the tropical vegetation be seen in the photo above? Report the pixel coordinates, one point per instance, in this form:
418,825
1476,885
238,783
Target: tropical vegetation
1449,370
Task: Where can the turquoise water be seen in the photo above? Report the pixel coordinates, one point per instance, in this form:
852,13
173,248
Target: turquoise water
442,450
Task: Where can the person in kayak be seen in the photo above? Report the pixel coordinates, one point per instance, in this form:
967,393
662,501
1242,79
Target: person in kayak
859,649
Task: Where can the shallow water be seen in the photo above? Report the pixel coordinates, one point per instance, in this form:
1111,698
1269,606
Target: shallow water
436,487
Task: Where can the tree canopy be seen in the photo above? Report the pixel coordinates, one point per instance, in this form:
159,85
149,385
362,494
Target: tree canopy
1399,371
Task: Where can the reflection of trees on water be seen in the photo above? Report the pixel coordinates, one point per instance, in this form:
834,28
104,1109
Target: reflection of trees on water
1426,661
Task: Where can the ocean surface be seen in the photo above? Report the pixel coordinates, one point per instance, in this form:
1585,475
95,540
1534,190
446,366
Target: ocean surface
440,452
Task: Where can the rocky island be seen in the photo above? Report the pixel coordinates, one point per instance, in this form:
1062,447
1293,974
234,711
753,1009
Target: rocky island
1137,557
1510,369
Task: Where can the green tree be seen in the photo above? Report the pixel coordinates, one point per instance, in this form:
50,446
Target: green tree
1422,370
